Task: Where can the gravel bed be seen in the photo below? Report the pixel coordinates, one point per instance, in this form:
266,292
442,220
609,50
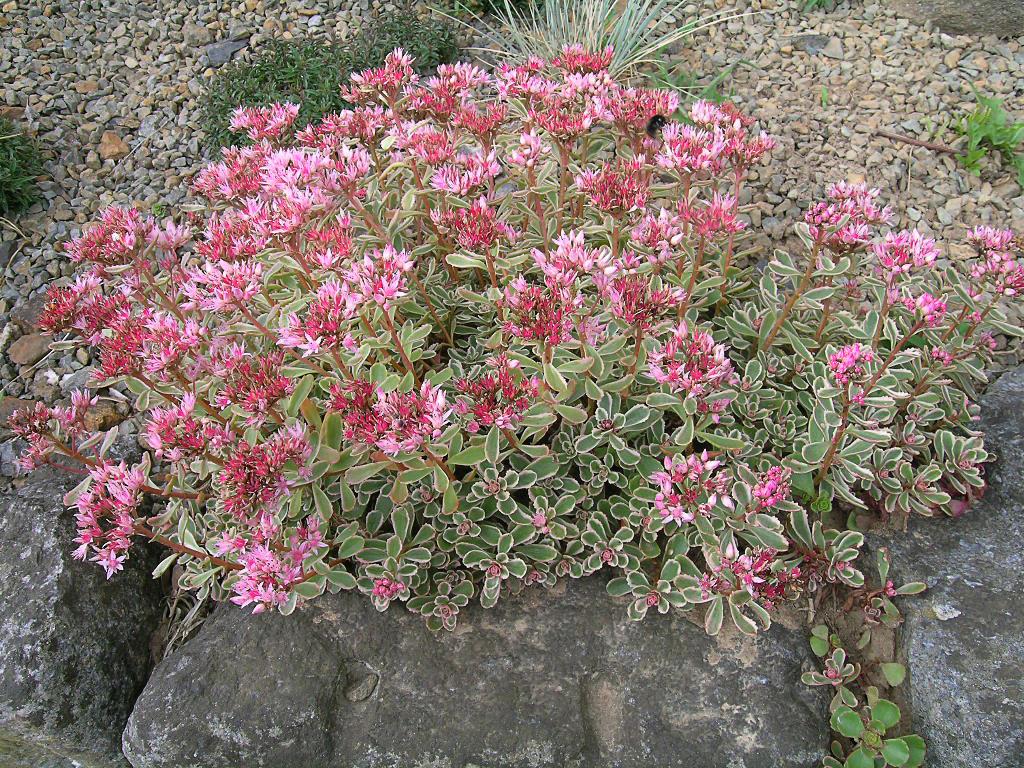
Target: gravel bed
111,88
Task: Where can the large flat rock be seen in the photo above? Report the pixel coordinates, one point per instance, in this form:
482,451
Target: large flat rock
74,647
964,638
558,678
1004,18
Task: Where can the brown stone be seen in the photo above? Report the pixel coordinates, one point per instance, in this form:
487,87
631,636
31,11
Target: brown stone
29,349
102,417
87,86
112,146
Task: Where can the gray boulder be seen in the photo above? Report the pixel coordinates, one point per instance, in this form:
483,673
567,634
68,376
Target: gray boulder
1004,18
74,647
557,678
963,640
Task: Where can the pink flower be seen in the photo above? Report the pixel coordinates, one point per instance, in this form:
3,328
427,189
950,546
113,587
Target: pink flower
930,308
116,239
222,285
105,518
476,228
175,434
496,397
632,299
468,172
618,188
381,276
688,150
253,477
394,422
899,252
716,217
690,486
531,149
264,122
576,58
384,81
254,383
848,363
264,580
571,259
539,313
772,488
387,589
692,363
325,321
663,234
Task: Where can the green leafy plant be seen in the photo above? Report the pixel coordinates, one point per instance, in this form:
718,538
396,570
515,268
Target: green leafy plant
864,725
989,128
312,73
636,31
20,165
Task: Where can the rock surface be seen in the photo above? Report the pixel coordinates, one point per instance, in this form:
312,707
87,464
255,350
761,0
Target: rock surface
550,679
964,638
978,17
74,648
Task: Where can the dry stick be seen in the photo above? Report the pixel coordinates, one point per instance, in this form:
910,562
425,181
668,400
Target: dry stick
918,142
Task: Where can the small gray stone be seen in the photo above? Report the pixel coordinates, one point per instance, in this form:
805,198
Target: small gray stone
812,44
220,53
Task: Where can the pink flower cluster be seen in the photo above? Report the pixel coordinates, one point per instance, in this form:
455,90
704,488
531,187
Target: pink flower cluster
847,220
751,572
264,122
393,422
900,252
497,397
690,486
254,477
772,488
692,363
111,500
1002,260
848,364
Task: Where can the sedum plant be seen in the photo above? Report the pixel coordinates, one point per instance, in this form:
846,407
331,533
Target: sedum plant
862,726
485,332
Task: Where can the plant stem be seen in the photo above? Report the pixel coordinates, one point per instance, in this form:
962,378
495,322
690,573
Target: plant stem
398,345
801,287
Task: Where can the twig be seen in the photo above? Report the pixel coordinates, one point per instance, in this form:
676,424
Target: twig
918,142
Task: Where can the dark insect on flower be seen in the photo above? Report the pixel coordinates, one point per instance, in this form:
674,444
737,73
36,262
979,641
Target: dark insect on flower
655,124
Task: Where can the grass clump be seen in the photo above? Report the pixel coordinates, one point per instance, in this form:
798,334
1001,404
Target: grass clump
20,164
311,73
